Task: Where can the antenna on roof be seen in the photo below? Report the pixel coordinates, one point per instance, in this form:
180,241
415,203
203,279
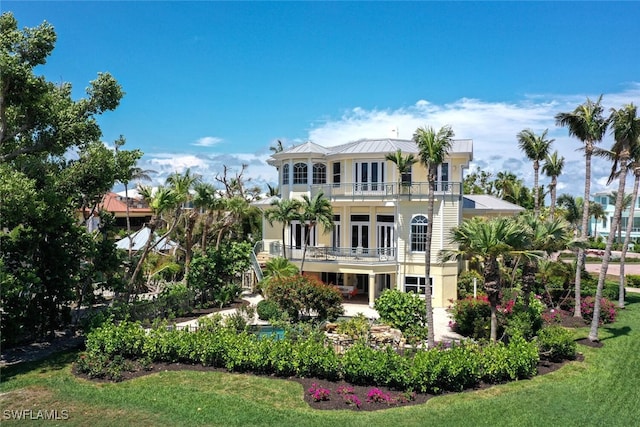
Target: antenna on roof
395,132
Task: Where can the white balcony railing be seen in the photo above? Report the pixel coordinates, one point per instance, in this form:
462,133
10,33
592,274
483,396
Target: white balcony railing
391,190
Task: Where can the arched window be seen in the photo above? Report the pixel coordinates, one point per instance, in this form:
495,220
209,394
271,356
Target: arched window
319,173
419,233
300,173
285,174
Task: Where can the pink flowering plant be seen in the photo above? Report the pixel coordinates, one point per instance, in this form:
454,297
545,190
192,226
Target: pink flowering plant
376,395
319,393
607,309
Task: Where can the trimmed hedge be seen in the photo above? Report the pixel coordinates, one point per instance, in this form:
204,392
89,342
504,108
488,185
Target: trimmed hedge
435,370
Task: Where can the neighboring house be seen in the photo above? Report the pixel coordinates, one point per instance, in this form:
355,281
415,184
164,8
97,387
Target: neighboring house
380,217
116,204
602,227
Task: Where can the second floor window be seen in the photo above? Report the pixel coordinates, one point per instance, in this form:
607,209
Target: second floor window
406,176
300,173
336,173
319,173
285,174
419,233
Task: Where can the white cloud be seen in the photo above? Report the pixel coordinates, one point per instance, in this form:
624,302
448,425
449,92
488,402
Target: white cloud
493,126
207,141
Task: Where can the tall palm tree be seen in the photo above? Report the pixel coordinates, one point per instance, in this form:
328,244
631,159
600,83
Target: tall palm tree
433,149
182,185
285,212
536,148
625,126
160,202
588,124
552,167
487,241
314,211
403,164
635,166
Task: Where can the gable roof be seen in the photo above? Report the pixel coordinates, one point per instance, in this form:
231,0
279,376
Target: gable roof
140,238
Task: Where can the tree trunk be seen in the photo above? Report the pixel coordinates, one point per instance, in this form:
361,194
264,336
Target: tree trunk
588,150
126,196
427,260
552,209
627,238
595,322
492,288
307,238
536,168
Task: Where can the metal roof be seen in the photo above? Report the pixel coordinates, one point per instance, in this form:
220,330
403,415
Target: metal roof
488,203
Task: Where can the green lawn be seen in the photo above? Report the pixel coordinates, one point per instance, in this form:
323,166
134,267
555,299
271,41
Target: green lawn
602,390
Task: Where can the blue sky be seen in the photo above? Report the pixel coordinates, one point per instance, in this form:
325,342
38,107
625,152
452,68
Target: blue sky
210,84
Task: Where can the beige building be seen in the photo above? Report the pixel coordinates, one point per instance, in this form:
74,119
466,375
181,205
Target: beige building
380,217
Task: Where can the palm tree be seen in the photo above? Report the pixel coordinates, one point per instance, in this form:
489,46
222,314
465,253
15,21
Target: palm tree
587,124
403,165
205,202
277,147
552,167
626,198
504,183
635,166
284,212
279,267
572,209
625,126
433,149
160,202
487,241
182,184
597,212
272,190
536,148
316,210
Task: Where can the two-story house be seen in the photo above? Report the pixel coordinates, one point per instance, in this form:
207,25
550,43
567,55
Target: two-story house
378,240
602,226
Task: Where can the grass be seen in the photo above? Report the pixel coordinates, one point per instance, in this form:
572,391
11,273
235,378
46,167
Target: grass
602,390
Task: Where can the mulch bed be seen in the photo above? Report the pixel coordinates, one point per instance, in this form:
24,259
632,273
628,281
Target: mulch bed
336,401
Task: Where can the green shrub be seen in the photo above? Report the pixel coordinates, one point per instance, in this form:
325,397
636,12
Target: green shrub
302,296
465,283
404,311
633,280
124,339
504,362
472,317
268,310
556,343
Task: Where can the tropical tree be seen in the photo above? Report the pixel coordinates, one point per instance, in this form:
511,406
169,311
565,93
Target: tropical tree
272,190
552,167
626,198
635,166
487,242
161,201
588,124
182,185
314,211
625,126
403,165
285,212
433,149
536,148
597,212
205,200
572,209
505,183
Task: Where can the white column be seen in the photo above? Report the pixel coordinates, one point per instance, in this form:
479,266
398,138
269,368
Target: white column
372,289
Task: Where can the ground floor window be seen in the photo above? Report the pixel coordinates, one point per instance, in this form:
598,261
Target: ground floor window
416,284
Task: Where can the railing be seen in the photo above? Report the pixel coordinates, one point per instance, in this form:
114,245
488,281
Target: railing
330,254
391,190
254,260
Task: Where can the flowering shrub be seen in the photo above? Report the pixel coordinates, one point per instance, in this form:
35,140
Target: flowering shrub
299,296
607,309
319,393
472,316
352,399
345,390
555,316
378,396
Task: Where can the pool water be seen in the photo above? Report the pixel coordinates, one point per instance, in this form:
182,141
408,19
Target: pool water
270,331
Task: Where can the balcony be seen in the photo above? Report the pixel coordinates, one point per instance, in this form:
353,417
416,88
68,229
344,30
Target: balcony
330,254
386,191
